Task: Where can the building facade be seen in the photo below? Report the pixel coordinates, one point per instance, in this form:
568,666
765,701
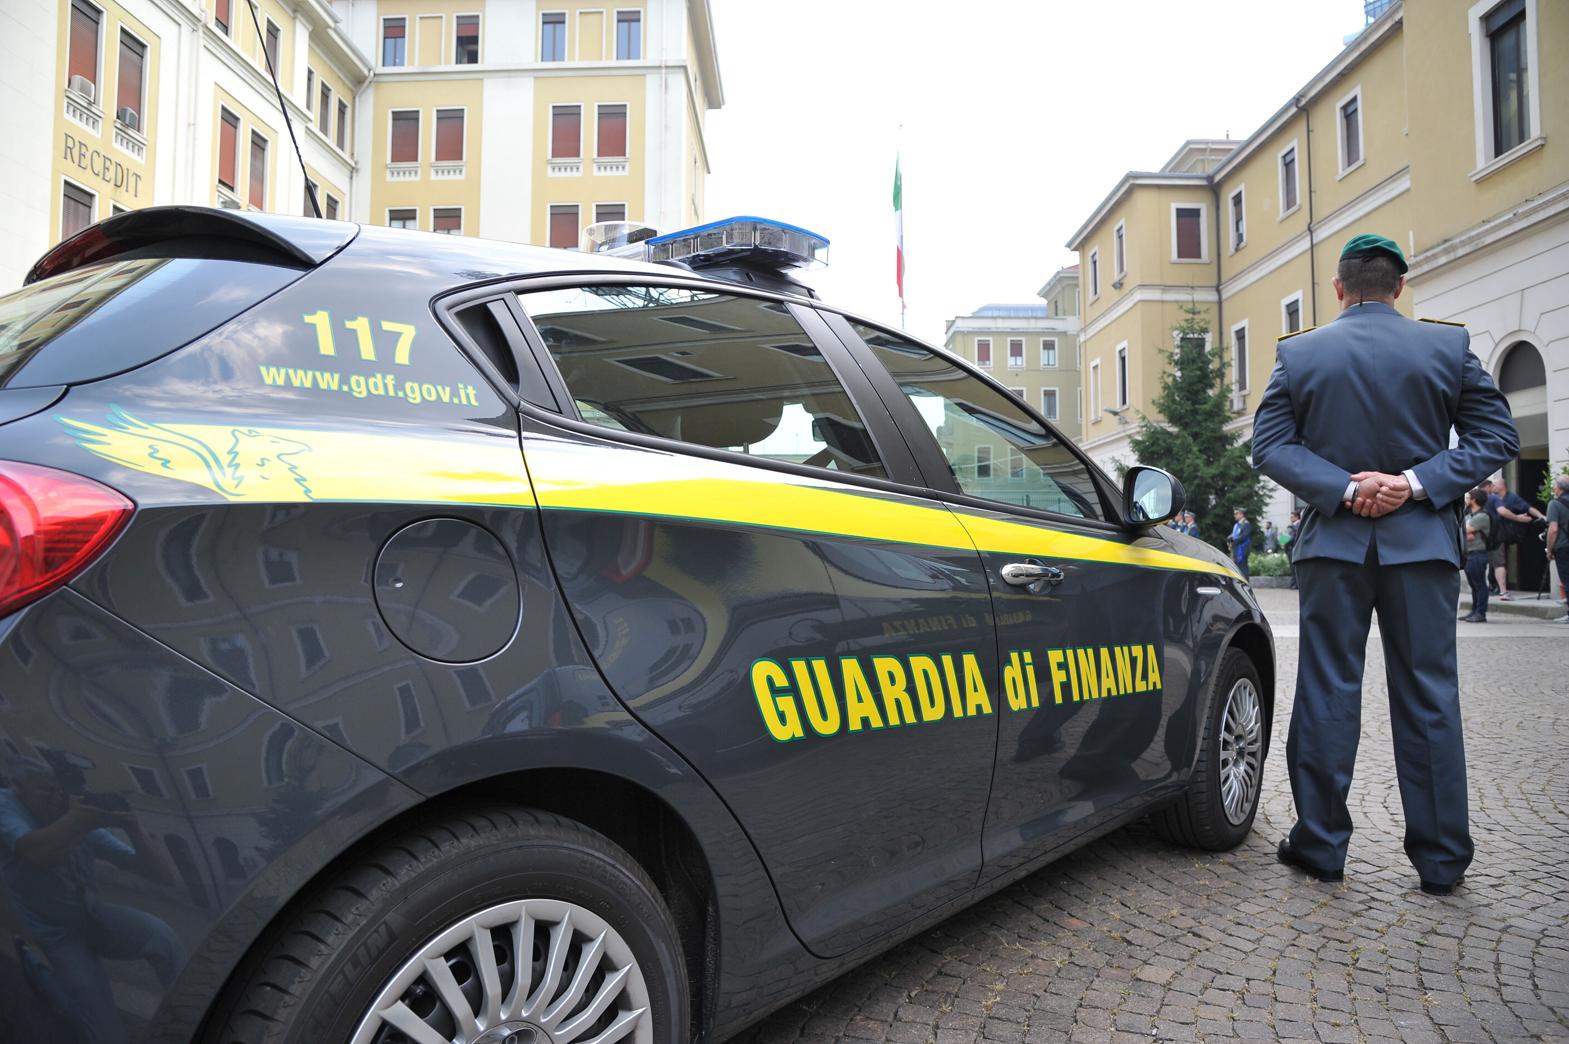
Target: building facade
520,121
1030,348
1468,170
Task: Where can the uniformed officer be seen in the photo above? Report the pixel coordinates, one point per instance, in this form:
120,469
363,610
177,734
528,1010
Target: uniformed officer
1356,423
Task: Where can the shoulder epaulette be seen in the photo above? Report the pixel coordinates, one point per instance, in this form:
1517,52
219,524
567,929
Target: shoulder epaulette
1293,333
1446,322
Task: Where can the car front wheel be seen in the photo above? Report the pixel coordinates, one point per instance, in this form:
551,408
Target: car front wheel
496,926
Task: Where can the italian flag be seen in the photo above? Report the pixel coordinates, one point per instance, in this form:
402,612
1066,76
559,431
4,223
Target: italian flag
898,228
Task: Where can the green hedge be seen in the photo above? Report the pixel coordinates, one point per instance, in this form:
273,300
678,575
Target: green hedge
1269,565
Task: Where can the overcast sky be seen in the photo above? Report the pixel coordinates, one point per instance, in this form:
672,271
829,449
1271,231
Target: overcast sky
1018,117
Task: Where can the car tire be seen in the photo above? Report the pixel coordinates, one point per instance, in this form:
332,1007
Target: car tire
1216,812
365,951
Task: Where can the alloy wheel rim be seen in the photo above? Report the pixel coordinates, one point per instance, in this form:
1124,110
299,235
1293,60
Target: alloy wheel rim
1241,751
578,984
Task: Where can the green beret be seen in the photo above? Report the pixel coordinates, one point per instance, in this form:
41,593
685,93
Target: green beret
1369,245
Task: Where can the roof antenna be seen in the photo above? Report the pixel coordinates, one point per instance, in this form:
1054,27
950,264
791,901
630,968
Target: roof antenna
310,189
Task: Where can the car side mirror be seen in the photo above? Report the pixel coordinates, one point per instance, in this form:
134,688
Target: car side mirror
1150,496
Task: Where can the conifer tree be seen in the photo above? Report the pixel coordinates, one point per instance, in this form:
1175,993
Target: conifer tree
1191,440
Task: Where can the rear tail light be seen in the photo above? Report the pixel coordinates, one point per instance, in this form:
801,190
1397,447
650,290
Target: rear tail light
52,524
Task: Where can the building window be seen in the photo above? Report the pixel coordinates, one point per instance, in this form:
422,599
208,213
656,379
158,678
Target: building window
983,462
405,136
611,137
394,41
332,207
564,226
983,351
553,36
566,131
1507,64
196,780
1049,403
1239,220
228,149
258,188
1239,357
1015,353
76,210
343,125
1049,352
610,212
82,63
1291,313
1119,253
447,220
1095,392
220,16
1187,233
311,198
324,110
310,86
449,135
271,47
629,35
1350,121
403,217
468,40
1094,274
1288,179
133,71
1122,375
147,781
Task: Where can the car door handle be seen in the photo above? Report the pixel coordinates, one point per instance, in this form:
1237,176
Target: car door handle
1032,574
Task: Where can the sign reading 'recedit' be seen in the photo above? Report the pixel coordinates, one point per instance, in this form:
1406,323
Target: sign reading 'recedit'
111,171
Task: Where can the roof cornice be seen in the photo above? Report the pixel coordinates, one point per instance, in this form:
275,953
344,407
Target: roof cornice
1129,180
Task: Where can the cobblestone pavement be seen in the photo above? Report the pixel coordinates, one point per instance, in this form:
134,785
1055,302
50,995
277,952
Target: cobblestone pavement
1131,939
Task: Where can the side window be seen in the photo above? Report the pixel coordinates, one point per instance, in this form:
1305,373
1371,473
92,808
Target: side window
970,419
725,372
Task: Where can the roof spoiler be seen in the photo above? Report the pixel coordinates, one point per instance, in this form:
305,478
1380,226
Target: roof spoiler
297,242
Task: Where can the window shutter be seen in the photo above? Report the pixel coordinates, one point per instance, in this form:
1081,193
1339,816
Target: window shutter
563,226
1189,239
405,137
258,193
612,139
83,59
132,58
566,132
228,148
449,135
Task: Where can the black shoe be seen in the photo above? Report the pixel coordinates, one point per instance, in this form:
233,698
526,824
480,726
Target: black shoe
1468,618
1291,857
1434,888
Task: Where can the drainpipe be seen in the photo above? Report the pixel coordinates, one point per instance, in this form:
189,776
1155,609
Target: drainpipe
1220,305
1312,260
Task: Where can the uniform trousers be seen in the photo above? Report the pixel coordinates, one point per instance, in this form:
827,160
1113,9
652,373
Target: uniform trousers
1416,617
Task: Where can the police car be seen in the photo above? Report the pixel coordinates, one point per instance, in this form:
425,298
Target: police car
410,638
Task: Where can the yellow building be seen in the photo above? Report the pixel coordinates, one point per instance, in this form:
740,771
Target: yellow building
528,121
1468,169
517,121
1031,348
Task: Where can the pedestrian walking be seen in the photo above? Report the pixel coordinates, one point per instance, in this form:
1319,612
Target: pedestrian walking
1558,539
1512,517
1241,540
1356,423
1477,525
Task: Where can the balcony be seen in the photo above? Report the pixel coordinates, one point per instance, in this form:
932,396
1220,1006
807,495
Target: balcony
448,171
564,168
610,166
130,142
403,171
79,106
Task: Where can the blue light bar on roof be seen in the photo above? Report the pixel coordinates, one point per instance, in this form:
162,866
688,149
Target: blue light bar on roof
750,241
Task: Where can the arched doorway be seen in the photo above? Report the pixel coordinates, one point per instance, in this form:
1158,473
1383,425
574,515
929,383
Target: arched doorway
1522,377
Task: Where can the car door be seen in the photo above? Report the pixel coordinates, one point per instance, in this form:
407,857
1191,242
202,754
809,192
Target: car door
734,532
1090,629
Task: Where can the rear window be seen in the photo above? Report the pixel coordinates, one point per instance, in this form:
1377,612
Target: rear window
103,319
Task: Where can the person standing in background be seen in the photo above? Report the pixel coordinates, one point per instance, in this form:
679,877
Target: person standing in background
1476,526
1558,538
1271,539
1512,516
1241,540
